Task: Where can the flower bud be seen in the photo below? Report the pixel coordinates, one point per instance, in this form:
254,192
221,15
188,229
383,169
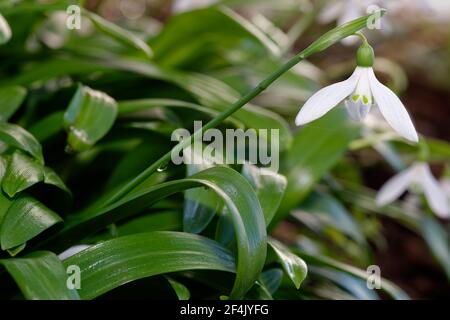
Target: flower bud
365,56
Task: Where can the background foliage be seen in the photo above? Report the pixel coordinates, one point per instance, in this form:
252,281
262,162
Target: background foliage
84,111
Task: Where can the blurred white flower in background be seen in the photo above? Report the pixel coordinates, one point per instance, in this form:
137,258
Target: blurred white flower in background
417,178
132,9
344,11
187,5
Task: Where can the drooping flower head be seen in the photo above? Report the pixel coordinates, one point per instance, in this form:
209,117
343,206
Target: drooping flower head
417,178
361,91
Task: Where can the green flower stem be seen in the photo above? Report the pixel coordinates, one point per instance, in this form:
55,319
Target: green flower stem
325,41
423,151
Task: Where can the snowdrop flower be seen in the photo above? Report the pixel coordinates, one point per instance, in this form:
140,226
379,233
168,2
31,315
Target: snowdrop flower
416,177
361,91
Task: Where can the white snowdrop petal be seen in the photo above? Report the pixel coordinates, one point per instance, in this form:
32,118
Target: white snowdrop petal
434,194
356,110
395,186
327,98
392,109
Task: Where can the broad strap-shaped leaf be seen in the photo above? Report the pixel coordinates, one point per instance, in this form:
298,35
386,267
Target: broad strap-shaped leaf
271,279
23,172
48,126
17,137
219,27
5,201
113,263
293,265
317,260
10,100
237,194
40,276
328,212
123,36
180,289
140,105
315,150
269,187
5,31
26,218
438,240
52,178
89,117
200,204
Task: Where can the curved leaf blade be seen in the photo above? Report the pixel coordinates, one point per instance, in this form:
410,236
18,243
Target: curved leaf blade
115,262
40,276
293,265
21,174
18,137
121,35
10,100
237,194
90,115
25,219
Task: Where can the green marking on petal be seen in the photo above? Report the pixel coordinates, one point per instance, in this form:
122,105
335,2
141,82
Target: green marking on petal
355,97
365,100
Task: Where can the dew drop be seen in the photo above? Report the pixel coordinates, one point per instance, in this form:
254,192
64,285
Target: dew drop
163,167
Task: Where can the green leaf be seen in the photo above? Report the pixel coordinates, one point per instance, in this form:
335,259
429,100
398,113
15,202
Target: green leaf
187,34
89,117
25,219
131,106
354,285
437,239
113,263
52,178
5,31
10,100
22,173
5,203
48,126
269,187
388,287
293,265
121,35
271,279
181,290
329,212
18,137
315,150
40,276
200,204
341,32
237,194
